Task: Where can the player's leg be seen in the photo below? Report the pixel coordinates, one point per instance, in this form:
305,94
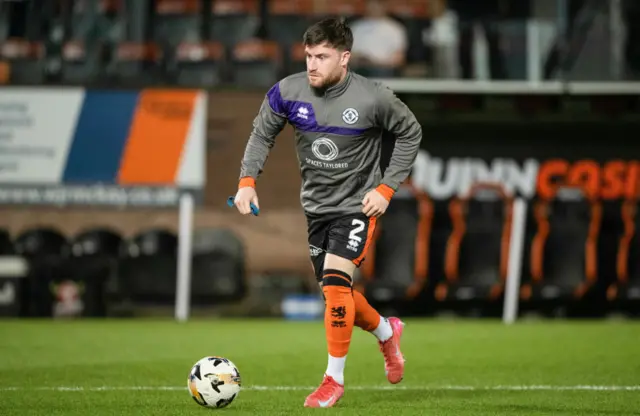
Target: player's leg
339,318
388,331
367,318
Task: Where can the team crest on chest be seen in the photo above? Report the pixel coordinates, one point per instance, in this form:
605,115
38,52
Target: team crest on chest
350,116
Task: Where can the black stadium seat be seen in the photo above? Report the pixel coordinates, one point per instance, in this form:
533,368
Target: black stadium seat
626,290
94,260
477,251
148,271
396,264
46,251
563,256
218,272
6,244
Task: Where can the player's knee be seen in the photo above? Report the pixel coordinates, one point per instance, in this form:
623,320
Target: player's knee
335,277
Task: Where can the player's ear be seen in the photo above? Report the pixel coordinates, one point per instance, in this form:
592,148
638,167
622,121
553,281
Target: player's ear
346,55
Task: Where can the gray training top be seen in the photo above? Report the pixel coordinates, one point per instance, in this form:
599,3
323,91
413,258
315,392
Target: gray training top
338,139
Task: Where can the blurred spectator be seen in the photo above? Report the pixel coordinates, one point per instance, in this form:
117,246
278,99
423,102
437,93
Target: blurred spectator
485,14
442,40
380,42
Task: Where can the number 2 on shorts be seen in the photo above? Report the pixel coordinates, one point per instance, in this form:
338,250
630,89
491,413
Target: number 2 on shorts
359,226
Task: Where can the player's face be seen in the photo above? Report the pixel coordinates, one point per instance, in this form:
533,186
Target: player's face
325,65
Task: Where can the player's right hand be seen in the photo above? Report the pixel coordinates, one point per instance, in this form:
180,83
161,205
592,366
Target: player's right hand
245,196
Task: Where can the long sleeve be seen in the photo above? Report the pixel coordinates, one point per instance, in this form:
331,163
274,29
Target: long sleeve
266,126
395,117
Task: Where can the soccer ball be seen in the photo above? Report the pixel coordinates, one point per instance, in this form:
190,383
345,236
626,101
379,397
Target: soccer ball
214,382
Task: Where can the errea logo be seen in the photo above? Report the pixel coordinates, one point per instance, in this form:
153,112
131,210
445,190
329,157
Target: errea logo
303,112
314,251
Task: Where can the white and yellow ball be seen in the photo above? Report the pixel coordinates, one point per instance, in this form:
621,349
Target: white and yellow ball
214,382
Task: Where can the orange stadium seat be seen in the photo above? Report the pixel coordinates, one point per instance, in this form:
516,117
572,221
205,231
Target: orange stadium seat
177,20
136,62
563,257
79,65
347,9
200,63
397,261
477,251
5,72
26,59
257,63
234,20
288,20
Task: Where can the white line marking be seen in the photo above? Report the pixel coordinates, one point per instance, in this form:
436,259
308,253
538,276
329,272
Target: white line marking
366,388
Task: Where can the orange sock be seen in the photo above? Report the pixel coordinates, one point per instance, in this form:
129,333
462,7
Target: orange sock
367,317
339,313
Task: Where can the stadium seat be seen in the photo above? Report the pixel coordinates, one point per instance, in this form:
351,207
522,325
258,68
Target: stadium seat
108,25
234,21
5,72
396,264
477,250
346,9
257,63
288,20
563,256
148,269
626,289
94,260
296,59
177,21
200,64
137,62
46,251
218,272
79,65
26,60
6,244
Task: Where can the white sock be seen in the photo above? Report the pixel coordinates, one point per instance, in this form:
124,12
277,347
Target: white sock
335,368
383,331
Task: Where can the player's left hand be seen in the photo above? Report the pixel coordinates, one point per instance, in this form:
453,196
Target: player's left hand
374,204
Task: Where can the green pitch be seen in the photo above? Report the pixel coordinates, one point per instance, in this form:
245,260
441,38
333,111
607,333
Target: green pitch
140,367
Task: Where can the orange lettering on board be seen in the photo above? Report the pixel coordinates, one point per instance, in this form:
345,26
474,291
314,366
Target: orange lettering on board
550,175
613,180
586,175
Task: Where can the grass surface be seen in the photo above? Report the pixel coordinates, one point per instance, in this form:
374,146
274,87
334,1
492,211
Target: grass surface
140,367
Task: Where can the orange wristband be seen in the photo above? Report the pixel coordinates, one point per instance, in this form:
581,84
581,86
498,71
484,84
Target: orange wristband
247,181
385,191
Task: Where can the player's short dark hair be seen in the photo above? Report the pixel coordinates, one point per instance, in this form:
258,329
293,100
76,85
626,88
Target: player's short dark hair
333,31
